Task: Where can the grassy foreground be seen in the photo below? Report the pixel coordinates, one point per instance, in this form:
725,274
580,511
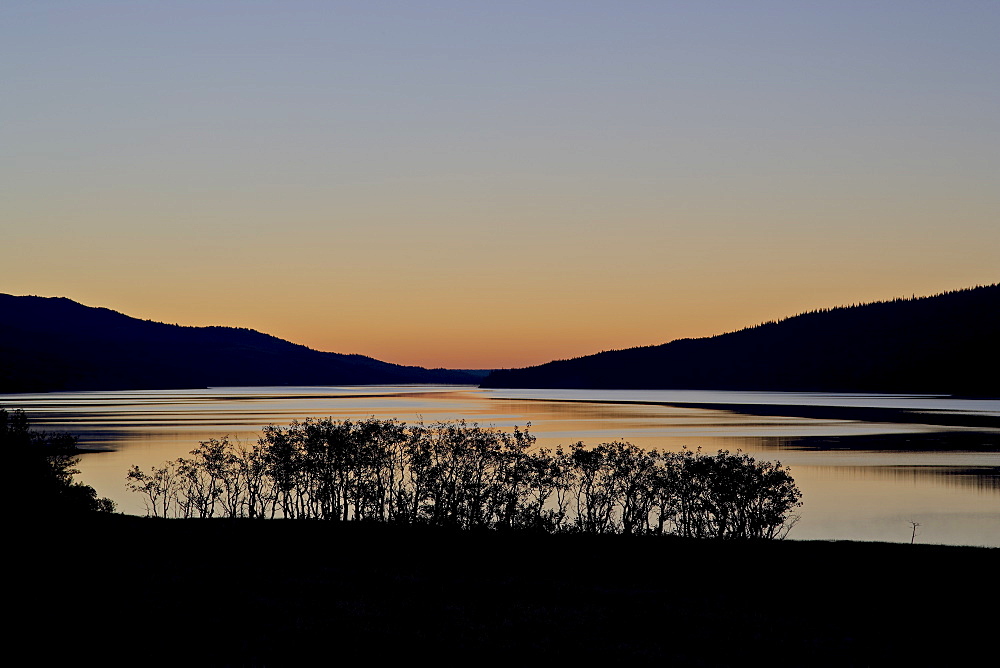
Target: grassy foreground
125,590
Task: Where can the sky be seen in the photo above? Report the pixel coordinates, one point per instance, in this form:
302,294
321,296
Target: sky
496,184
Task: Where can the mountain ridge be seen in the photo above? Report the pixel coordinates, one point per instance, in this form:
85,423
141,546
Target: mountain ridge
943,343
55,343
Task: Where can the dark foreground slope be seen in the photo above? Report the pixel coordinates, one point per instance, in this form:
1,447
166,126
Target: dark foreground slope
140,592
57,344
941,344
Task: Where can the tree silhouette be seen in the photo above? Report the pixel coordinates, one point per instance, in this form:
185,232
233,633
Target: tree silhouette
45,462
464,476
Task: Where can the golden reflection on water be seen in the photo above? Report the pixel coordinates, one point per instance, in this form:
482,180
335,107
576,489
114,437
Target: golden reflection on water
854,486
878,503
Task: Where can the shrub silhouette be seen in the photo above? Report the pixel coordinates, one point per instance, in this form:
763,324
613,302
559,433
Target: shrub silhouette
45,463
461,475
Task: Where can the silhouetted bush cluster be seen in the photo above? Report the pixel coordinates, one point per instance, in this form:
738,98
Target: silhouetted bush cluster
45,464
453,474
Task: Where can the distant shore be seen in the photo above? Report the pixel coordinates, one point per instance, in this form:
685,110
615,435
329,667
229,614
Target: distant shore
850,413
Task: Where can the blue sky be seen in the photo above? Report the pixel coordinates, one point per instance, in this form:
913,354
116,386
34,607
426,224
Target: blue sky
496,184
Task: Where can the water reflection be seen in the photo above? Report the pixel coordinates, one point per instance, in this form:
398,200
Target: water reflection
861,480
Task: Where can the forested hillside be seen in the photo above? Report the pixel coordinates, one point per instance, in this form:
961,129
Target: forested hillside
54,343
948,343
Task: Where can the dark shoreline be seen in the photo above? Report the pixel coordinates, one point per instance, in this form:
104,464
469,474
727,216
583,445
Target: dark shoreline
256,593
850,413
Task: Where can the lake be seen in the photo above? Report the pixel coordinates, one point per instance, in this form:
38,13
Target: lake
861,479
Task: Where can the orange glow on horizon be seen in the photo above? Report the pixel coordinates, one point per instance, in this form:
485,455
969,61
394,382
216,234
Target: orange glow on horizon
497,340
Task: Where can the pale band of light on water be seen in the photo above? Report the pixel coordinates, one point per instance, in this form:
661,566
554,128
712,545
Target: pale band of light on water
860,480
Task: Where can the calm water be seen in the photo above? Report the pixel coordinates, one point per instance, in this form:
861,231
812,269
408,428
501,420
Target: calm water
860,480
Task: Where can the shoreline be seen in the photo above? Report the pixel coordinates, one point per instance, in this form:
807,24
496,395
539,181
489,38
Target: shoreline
286,592
846,413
